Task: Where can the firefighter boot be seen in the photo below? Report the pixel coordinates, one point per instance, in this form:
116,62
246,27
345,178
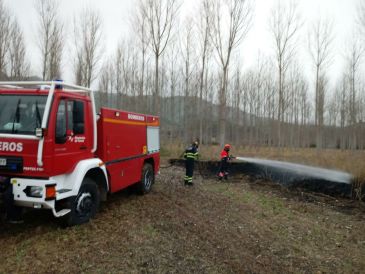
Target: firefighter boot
189,181
226,175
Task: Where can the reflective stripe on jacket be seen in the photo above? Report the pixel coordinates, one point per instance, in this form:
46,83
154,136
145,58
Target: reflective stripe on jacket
191,153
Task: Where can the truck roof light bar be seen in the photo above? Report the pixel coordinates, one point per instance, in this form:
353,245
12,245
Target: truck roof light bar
21,84
11,86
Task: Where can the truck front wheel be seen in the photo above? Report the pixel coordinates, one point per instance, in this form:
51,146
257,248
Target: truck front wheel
147,179
85,205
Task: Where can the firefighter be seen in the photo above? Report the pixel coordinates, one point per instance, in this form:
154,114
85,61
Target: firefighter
225,158
191,154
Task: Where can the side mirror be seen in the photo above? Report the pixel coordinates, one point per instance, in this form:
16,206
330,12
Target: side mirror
40,132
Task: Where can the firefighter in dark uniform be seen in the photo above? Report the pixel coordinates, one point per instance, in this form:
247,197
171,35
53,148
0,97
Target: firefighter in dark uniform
191,154
225,158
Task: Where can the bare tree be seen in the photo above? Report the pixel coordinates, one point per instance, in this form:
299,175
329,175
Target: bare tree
320,108
236,99
284,26
269,102
139,22
292,113
88,42
124,75
354,56
320,39
187,54
105,85
342,98
51,38
304,113
129,70
361,17
56,52
334,109
18,65
205,44
174,108
161,16
118,72
5,30
231,21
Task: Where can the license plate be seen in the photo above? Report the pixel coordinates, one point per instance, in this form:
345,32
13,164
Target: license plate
2,162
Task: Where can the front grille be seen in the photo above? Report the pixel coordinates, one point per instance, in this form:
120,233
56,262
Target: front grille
13,164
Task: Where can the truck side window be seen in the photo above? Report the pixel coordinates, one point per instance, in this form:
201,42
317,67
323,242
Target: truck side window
70,119
78,117
61,123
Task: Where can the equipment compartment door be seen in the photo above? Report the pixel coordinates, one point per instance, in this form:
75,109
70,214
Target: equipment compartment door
153,139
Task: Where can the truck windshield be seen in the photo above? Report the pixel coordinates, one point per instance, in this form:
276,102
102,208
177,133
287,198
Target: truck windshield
21,114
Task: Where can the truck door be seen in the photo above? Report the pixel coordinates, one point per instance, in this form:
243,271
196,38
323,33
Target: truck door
71,143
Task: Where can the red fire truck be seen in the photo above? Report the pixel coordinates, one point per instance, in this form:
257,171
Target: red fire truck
56,153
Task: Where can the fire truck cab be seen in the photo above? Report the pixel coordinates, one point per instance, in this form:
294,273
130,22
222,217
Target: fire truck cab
56,153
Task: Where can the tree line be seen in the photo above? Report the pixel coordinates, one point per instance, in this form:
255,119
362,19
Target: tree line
189,70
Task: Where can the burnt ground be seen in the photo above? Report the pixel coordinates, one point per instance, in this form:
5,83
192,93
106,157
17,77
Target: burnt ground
240,226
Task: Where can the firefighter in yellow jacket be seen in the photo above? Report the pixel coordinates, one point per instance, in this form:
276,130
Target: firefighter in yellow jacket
191,154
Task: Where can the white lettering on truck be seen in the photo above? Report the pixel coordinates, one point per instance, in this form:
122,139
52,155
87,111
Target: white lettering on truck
12,147
135,117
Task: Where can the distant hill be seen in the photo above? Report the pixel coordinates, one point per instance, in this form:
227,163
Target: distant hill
180,122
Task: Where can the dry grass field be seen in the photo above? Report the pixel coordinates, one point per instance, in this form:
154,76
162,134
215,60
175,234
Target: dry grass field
239,226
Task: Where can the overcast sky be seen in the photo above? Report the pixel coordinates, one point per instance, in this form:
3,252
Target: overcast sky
116,14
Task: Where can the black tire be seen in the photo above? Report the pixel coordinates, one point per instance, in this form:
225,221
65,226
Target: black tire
85,205
147,179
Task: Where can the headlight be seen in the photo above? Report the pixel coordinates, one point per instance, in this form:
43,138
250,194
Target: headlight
35,191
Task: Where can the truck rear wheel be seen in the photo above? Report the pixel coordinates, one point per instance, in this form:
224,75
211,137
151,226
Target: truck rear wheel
85,205
147,179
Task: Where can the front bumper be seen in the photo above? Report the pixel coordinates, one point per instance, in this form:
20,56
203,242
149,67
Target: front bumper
23,198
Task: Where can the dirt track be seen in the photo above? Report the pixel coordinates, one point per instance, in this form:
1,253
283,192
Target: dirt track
235,227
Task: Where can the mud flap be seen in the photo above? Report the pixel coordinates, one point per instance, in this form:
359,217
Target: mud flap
60,213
